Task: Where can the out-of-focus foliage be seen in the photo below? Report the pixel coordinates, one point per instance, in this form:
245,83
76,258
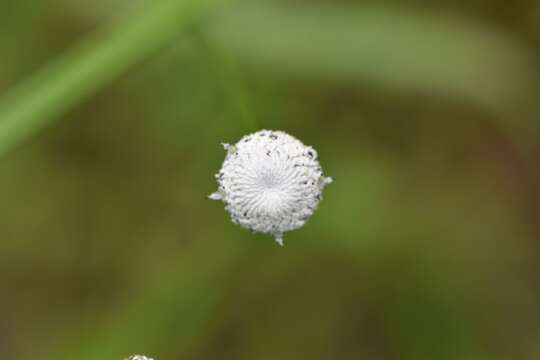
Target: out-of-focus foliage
424,113
391,48
87,67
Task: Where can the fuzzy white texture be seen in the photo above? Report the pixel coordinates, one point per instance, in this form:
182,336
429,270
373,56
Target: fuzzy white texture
138,357
270,182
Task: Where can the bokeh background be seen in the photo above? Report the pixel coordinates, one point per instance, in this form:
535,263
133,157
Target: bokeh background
425,113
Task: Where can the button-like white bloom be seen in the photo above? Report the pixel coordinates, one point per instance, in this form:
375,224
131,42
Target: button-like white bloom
138,357
270,182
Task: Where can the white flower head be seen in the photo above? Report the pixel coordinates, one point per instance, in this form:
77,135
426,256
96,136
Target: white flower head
138,357
270,182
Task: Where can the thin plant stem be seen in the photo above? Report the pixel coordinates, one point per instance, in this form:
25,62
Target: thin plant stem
232,82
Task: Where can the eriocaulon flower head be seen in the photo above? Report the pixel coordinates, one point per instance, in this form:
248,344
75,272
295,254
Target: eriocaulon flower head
270,182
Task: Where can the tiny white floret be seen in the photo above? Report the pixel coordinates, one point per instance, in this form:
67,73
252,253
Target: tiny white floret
138,357
270,182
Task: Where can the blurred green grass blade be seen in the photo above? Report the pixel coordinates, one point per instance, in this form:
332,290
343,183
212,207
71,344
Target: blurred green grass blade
391,48
89,66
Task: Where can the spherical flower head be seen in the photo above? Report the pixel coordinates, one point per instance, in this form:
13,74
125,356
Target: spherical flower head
138,357
270,183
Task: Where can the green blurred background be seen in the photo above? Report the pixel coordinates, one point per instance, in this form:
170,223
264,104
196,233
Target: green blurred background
424,112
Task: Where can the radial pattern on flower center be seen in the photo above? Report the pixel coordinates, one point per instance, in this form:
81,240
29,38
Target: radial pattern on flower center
270,182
